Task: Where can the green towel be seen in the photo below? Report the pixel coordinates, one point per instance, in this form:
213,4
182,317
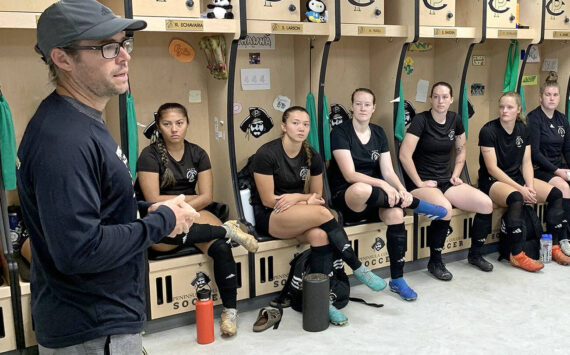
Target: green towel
7,145
400,127
313,137
326,129
465,111
132,134
512,67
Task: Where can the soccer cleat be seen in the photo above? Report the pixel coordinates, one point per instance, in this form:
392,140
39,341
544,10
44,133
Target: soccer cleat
336,317
228,325
400,287
440,271
430,210
370,279
235,234
525,263
559,256
481,263
565,246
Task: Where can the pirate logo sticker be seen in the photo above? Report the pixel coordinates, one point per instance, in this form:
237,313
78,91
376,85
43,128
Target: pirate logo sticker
257,123
191,174
519,141
378,244
338,115
561,131
303,173
374,155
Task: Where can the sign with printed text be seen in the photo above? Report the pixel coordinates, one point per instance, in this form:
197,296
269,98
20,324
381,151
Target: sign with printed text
370,30
561,34
528,80
257,41
287,27
445,32
184,25
479,60
508,33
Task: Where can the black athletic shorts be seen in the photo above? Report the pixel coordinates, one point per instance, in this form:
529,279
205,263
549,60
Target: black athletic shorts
543,175
485,185
261,215
369,214
443,186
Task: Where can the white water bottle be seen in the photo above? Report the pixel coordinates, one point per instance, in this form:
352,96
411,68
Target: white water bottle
546,248
245,194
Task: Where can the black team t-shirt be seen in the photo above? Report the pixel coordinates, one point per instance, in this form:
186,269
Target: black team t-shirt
194,161
549,139
289,174
365,156
432,157
509,148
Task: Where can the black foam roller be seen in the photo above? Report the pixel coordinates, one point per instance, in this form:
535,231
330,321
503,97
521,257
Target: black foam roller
316,302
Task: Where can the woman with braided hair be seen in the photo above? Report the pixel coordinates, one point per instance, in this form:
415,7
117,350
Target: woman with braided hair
550,141
173,166
288,204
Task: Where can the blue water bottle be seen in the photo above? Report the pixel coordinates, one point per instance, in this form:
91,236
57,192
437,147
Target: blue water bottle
546,248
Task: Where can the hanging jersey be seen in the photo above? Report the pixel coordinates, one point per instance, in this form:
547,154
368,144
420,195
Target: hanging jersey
194,161
289,174
432,156
509,148
366,157
549,139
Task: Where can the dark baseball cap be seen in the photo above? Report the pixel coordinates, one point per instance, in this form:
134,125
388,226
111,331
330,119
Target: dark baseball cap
71,20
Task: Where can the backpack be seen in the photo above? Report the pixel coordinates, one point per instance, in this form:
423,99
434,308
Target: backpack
532,231
339,284
245,175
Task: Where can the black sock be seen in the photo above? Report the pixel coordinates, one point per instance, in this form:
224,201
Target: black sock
437,232
321,259
224,272
555,216
199,233
479,230
513,222
566,206
339,241
397,246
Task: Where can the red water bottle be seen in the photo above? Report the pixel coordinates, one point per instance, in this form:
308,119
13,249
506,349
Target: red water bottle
204,310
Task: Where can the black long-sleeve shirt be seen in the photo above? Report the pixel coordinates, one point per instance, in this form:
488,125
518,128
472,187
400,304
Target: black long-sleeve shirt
549,139
77,198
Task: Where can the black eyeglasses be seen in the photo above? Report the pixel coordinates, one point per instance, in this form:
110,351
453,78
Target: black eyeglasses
108,50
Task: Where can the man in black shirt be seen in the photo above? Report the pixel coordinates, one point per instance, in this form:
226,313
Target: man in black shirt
88,263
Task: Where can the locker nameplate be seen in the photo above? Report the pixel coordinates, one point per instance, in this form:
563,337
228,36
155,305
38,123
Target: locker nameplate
508,33
561,34
287,27
369,30
184,25
445,32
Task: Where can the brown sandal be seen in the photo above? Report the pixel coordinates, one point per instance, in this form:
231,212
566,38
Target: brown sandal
267,318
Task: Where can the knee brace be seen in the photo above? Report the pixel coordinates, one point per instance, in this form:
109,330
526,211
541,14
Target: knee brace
378,198
397,246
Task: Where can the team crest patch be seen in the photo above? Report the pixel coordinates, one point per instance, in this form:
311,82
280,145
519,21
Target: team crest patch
191,175
519,141
378,244
561,131
374,155
451,134
303,173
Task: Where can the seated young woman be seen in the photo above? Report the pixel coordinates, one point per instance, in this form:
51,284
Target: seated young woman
426,155
506,174
288,202
550,141
171,165
365,186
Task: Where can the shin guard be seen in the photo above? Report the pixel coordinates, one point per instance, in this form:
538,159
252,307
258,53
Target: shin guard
339,241
397,246
224,272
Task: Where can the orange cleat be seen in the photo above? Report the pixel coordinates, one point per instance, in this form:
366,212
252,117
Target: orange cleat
559,256
525,263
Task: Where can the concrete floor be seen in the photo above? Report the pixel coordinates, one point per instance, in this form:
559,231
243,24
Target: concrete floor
507,311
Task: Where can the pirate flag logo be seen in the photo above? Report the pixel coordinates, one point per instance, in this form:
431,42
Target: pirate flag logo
378,244
409,112
201,280
257,123
338,115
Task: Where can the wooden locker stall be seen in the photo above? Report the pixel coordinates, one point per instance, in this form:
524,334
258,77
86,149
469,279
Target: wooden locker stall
288,10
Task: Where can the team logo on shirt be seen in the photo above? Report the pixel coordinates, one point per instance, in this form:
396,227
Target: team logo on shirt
303,173
451,134
191,175
561,131
378,244
519,141
374,155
